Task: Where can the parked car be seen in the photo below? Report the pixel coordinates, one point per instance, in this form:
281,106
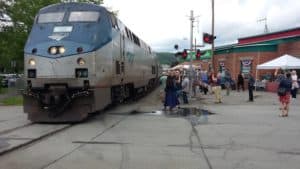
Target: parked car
8,79
3,80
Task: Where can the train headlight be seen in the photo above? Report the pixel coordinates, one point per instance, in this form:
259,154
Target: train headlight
31,62
80,61
53,50
61,50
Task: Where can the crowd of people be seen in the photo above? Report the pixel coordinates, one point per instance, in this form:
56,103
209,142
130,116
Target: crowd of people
178,86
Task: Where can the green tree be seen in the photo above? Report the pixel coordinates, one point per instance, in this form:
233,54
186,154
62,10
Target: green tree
13,38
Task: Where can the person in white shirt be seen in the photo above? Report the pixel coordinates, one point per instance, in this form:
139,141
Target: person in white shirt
185,89
295,84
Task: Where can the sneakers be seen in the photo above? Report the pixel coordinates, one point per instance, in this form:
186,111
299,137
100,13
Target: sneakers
283,115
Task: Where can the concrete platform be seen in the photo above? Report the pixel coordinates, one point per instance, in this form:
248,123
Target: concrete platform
12,117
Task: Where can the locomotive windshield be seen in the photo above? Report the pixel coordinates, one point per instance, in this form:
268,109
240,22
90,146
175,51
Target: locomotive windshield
75,16
51,17
84,16
89,29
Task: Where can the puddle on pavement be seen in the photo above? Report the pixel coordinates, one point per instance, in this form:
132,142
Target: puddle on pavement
194,115
183,112
133,112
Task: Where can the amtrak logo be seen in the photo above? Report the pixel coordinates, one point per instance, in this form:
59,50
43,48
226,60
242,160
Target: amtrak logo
58,37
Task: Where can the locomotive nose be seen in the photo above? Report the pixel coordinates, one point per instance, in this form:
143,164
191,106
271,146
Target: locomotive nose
75,66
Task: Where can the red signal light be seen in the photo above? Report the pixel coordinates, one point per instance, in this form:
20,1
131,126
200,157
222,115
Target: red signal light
207,38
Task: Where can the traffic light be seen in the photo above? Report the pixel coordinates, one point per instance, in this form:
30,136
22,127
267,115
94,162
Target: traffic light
184,54
198,54
208,38
176,46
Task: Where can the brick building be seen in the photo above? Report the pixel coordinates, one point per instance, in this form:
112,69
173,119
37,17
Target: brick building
251,51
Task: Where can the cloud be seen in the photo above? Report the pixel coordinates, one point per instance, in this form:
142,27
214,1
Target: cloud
164,23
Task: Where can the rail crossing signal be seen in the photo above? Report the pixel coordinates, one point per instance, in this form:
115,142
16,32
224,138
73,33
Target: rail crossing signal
184,54
208,38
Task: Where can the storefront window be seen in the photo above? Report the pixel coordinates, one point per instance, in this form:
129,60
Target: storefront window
246,66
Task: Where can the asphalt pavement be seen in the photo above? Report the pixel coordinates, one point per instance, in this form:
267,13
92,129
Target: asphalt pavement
237,134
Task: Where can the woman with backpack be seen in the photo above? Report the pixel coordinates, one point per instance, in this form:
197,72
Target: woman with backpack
284,90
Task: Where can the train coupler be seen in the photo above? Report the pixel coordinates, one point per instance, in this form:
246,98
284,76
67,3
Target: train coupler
80,94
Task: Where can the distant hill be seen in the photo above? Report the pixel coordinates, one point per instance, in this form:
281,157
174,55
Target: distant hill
166,58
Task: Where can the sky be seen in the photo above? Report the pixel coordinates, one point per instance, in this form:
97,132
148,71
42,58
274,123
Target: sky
164,23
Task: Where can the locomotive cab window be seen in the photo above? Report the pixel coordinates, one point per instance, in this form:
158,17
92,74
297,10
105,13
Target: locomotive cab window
153,70
51,17
127,33
84,16
114,21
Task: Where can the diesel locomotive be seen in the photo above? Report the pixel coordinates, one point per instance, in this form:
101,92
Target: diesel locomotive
79,58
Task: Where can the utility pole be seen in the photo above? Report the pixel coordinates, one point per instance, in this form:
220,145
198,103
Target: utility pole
191,40
212,32
191,49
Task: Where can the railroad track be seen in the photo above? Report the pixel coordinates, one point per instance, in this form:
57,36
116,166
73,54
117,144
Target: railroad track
24,135
14,128
29,133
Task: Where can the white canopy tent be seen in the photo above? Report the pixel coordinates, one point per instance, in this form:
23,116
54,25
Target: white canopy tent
284,62
184,66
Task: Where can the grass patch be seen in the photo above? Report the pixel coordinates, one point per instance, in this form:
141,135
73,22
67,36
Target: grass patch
13,101
3,90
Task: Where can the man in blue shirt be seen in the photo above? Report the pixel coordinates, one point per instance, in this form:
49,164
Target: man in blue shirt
227,79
